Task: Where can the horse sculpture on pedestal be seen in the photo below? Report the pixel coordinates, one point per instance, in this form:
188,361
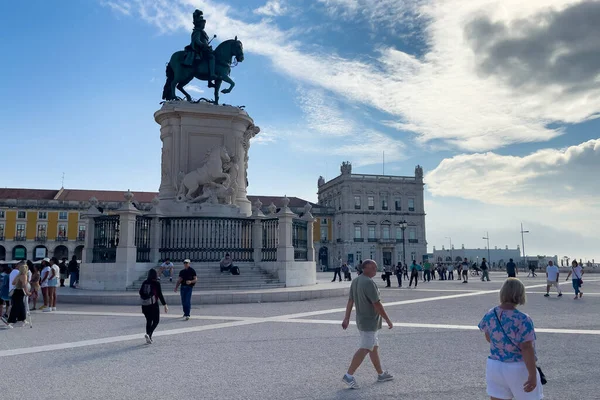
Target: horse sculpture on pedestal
210,177
179,75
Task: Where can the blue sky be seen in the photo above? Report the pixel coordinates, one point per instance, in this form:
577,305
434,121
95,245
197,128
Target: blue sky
496,100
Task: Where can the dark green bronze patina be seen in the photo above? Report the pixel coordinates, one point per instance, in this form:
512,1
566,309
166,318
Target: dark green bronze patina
199,61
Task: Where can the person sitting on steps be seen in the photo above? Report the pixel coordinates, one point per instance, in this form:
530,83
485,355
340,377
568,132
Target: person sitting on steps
226,263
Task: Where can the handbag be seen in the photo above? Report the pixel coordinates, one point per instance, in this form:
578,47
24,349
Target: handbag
579,280
542,375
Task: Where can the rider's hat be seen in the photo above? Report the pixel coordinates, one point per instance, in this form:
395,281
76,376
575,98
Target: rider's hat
198,16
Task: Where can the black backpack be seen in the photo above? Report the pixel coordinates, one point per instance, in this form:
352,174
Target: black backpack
235,270
147,294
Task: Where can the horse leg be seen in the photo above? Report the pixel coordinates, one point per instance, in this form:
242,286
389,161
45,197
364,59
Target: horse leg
231,84
181,85
217,87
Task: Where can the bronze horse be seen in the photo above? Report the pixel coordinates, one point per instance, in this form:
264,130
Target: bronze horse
179,75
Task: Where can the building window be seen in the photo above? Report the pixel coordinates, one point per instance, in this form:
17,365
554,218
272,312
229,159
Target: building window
62,215
358,257
357,232
62,231
411,204
20,230
371,202
399,234
371,232
2,231
1,214
384,203
398,204
42,215
81,233
412,235
357,202
413,255
21,214
323,221
41,231
323,234
386,232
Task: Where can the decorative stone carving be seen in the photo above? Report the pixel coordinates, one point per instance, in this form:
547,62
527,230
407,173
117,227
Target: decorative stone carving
346,168
272,208
307,215
94,201
257,209
250,132
210,182
166,158
419,172
128,196
155,201
321,181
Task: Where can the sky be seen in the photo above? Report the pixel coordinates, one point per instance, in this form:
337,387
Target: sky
498,100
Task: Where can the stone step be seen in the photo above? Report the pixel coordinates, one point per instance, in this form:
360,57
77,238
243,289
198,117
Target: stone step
240,286
216,282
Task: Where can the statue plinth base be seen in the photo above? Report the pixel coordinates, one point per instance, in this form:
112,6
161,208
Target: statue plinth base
189,133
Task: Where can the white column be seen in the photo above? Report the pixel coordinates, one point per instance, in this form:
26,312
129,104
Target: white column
257,234
310,246
285,247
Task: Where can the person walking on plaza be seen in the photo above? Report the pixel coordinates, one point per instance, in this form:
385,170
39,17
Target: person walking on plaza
398,272
53,284
347,272
166,269
151,294
511,370
531,271
552,275
4,290
387,270
405,271
414,274
45,277
364,294
187,280
73,269
577,275
426,271
485,273
337,270
451,272
18,310
35,285
464,270
62,267
511,269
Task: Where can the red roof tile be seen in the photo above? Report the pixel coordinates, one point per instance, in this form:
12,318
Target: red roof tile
29,194
104,195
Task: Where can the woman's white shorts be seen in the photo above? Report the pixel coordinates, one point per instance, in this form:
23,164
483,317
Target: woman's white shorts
505,381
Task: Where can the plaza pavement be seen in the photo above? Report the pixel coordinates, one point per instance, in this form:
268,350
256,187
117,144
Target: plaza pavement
297,350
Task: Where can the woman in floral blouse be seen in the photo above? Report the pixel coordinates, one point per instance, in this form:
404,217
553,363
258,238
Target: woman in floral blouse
511,371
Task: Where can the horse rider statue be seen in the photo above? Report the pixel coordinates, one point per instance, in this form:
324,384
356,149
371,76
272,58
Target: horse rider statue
200,48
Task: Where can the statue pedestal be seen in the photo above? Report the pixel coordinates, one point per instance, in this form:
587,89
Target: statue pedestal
188,133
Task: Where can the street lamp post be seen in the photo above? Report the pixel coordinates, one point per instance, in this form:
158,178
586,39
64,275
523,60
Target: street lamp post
523,242
487,237
403,226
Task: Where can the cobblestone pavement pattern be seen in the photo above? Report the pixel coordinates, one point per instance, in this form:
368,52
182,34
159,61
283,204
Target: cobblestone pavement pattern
299,350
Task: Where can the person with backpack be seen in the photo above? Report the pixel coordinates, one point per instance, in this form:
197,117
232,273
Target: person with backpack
150,294
73,269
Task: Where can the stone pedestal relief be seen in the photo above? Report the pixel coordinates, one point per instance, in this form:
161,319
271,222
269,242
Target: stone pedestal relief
204,159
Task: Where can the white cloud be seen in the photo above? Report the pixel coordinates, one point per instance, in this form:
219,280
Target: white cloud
440,97
339,133
564,179
193,88
122,7
272,8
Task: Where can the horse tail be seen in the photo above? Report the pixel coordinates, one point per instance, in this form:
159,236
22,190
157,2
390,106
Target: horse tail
167,88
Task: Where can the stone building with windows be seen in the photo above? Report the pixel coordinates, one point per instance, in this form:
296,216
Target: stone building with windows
37,223
381,217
